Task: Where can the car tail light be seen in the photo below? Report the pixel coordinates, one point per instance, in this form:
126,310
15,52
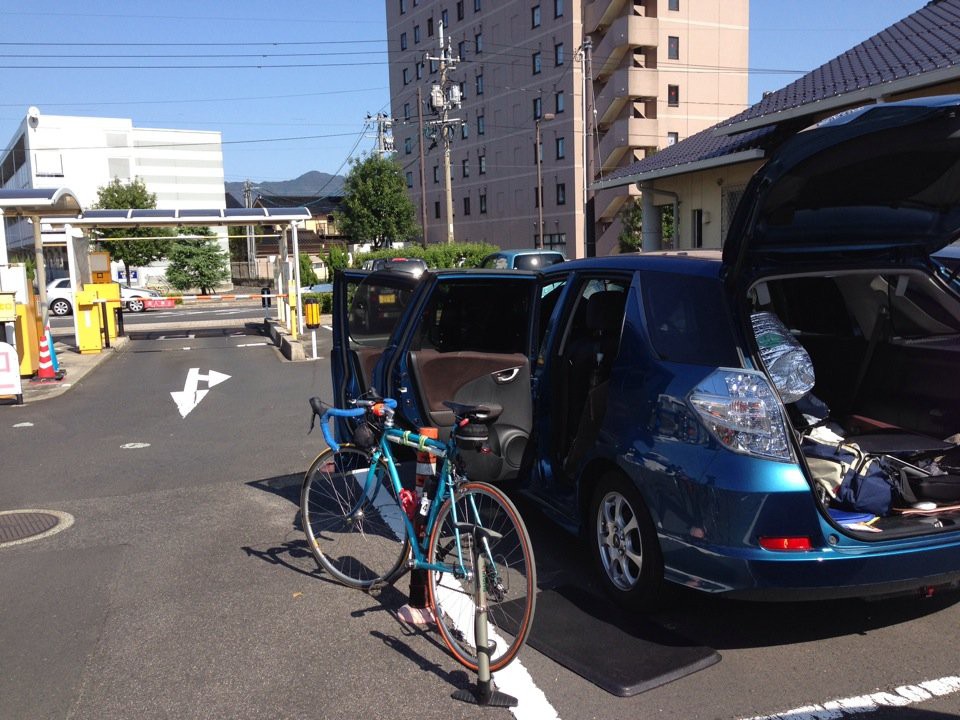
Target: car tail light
786,543
741,410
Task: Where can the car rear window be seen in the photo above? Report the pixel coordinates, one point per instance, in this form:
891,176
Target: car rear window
688,319
536,261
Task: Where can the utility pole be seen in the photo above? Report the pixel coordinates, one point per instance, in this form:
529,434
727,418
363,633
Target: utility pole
590,222
423,179
444,97
384,145
251,242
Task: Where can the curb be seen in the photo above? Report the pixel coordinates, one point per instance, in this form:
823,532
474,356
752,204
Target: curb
291,349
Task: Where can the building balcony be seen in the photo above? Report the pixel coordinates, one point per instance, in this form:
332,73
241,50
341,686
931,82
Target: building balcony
624,135
600,14
622,36
624,85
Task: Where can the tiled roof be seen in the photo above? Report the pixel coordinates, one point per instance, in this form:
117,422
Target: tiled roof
926,43
699,148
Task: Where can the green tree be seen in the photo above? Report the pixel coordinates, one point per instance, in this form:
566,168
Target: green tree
631,232
337,259
376,208
140,246
198,263
307,275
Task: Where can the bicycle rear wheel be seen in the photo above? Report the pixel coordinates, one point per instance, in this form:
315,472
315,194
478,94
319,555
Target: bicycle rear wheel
352,521
511,578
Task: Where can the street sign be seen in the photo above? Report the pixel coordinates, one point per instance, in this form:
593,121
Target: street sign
10,372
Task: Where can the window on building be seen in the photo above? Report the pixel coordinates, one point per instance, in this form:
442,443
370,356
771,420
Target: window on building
463,89
459,9
409,179
535,16
464,131
672,138
434,66
481,125
673,48
430,27
479,84
673,95
482,162
465,166
407,146
478,43
559,102
476,5
673,5
406,111
445,18
536,63
403,6
436,174
561,148
416,34
403,41
561,193
558,54
483,203
466,205
536,197
436,209
419,67
462,49
406,76
537,108
696,228
557,8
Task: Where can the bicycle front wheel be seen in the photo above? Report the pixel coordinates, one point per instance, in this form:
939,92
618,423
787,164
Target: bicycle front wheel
352,518
510,575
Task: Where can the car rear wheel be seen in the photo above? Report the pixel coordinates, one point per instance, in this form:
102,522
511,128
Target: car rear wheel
135,305
623,544
60,307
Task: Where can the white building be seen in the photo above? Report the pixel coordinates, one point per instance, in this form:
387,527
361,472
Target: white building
184,168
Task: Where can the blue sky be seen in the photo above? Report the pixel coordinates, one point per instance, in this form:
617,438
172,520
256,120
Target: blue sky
289,84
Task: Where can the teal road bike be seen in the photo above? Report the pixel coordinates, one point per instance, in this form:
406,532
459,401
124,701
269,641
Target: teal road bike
366,529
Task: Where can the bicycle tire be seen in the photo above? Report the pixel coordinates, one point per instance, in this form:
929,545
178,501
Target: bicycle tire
511,604
359,541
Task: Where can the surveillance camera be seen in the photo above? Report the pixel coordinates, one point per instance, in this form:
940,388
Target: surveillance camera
33,116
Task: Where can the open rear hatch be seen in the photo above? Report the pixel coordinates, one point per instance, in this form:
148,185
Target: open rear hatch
832,239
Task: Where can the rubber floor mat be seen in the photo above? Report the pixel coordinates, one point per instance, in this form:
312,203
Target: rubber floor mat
622,654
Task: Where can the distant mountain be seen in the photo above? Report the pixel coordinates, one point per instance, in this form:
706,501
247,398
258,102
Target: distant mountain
310,183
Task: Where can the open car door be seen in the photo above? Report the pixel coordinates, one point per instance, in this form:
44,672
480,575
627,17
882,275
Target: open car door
466,337
367,308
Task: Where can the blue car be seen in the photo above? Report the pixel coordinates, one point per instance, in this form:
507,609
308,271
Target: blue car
664,405
531,259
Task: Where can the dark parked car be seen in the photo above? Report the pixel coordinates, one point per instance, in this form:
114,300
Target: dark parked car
661,404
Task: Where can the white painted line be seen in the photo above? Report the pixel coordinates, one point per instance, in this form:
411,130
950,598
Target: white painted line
24,424
327,327
256,344
514,679
897,697
134,446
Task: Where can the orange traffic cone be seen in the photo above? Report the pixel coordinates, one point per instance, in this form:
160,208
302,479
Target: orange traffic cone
53,355
45,371
417,610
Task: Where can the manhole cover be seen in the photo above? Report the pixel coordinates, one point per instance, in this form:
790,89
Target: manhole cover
21,525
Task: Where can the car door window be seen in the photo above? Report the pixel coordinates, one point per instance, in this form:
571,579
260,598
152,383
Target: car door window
490,316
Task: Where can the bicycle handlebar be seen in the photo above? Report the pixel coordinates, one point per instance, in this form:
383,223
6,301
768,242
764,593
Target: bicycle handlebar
325,413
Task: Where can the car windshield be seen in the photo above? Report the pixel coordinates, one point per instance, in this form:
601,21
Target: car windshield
536,261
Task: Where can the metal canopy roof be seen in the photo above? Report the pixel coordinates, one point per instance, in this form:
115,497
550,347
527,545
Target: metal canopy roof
161,218
43,201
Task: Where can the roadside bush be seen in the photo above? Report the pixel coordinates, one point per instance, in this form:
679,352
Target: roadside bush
438,255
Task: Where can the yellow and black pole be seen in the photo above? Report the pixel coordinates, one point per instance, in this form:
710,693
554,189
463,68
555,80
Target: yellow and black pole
311,318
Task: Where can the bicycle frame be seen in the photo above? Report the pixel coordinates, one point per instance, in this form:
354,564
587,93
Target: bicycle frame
445,486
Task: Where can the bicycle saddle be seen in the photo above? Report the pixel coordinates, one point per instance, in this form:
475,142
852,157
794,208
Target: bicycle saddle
484,414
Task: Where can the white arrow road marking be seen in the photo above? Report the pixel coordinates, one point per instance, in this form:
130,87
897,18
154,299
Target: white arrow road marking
134,446
188,398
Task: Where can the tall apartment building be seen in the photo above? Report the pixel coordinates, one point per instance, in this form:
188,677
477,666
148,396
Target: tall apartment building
657,71
184,168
